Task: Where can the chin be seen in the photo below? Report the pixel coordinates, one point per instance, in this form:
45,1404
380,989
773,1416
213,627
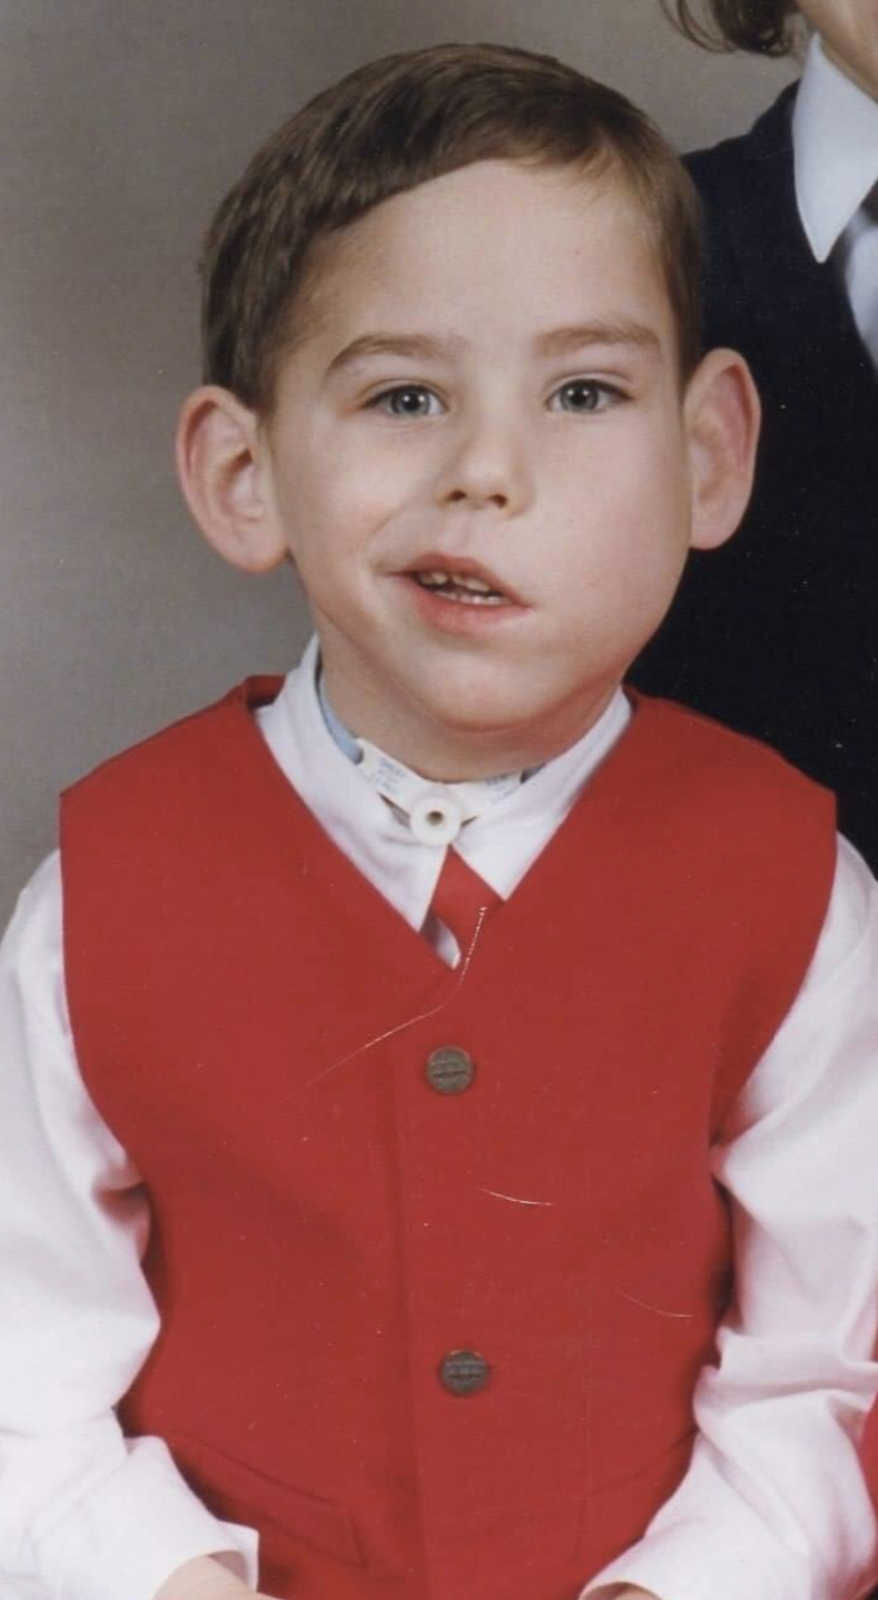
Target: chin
490,717
500,737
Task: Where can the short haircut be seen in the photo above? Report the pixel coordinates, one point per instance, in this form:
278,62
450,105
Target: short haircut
763,26
397,123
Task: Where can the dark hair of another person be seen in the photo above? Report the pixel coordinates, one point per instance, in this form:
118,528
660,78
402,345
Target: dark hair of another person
762,26
400,122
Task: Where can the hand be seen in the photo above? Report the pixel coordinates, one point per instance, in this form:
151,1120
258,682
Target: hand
205,1579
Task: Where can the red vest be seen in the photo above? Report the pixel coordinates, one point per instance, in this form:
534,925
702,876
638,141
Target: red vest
254,1019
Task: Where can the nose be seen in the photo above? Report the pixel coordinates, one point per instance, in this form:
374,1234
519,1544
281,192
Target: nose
486,466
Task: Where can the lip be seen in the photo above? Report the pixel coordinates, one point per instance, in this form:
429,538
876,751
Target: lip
456,619
445,561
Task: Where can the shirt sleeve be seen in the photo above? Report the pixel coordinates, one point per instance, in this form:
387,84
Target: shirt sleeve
85,1514
774,1506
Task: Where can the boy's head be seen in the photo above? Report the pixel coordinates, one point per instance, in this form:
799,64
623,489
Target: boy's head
391,126
469,408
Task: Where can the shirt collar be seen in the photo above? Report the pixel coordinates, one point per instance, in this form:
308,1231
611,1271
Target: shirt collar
835,149
402,787
303,710
500,844
342,735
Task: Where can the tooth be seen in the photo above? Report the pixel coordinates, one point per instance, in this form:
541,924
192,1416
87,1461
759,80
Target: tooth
464,597
477,585
434,579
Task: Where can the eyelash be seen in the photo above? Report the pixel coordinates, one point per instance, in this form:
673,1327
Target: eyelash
383,401
603,396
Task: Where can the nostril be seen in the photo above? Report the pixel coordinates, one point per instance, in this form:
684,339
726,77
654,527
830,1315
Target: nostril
456,497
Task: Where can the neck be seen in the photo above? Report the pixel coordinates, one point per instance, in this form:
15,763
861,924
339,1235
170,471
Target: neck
450,754
848,71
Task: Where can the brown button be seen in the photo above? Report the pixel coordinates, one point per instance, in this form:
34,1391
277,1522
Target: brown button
450,1070
463,1372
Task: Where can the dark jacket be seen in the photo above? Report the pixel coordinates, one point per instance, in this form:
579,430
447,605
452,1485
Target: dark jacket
777,633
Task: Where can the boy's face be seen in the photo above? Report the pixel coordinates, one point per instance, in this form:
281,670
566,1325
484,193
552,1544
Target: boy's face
479,459
849,30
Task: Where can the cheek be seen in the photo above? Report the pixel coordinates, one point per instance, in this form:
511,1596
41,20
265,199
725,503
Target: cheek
627,536
633,501
366,477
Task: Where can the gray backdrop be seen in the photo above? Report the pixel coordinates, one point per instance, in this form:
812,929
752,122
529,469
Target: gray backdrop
122,122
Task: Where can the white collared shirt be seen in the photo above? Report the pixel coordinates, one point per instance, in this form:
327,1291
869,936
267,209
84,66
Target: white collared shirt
835,164
499,845
773,1501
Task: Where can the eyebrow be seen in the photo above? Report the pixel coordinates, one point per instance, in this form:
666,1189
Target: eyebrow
556,342
581,335
415,346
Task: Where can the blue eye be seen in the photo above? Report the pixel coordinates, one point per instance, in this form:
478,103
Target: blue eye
408,400
584,395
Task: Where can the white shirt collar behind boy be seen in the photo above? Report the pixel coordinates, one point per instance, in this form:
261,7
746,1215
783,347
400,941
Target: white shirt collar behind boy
835,163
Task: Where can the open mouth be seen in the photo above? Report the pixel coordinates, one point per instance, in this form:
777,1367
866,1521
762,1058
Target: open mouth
464,587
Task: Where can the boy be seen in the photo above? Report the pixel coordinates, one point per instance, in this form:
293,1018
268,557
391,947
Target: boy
428,994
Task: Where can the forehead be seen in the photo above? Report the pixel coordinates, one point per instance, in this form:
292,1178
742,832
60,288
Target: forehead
495,248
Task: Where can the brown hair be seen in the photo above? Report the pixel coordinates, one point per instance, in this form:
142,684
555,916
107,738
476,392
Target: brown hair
762,26
397,123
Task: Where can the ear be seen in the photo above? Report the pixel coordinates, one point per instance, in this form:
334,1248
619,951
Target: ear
220,463
721,413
